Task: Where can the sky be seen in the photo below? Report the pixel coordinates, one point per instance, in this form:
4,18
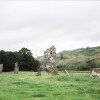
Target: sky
37,25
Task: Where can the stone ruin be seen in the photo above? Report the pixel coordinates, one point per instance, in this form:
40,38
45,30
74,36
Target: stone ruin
95,72
16,69
1,68
50,60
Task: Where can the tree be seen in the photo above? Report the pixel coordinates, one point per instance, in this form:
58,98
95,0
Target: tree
8,59
61,56
2,56
25,59
91,63
36,65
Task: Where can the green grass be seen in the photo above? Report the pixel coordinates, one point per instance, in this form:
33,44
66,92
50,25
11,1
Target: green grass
27,86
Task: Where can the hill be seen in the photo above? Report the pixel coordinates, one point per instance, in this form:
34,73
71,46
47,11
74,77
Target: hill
78,58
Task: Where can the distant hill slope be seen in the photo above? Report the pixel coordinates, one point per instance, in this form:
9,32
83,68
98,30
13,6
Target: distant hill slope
77,57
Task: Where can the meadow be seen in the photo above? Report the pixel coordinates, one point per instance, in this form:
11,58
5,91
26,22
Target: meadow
28,86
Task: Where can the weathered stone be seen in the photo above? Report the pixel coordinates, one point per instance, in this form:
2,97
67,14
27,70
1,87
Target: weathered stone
38,72
50,60
16,64
1,68
16,68
95,72
66,72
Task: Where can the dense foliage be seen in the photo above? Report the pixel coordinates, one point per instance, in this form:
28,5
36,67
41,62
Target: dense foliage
24,58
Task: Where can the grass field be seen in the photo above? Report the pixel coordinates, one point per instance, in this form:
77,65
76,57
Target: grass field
27,86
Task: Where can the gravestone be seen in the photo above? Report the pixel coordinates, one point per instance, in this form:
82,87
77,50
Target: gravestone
16,68
1,68
50,60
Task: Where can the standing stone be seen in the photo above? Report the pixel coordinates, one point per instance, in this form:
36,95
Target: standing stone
66,72
95,72
16,68
50,60
1,68
38,72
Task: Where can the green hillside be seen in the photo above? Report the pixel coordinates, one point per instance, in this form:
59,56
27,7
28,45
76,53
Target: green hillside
78,58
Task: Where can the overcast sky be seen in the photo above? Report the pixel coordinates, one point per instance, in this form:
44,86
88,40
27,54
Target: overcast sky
37,25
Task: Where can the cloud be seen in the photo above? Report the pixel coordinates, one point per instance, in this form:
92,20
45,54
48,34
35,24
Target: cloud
39,24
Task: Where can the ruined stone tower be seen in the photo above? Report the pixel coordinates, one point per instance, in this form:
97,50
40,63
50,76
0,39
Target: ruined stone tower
50,60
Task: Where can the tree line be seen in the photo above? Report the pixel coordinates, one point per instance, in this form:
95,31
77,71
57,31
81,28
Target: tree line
79,66
26,61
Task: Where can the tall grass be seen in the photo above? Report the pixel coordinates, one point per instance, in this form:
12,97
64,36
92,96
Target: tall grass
27,86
